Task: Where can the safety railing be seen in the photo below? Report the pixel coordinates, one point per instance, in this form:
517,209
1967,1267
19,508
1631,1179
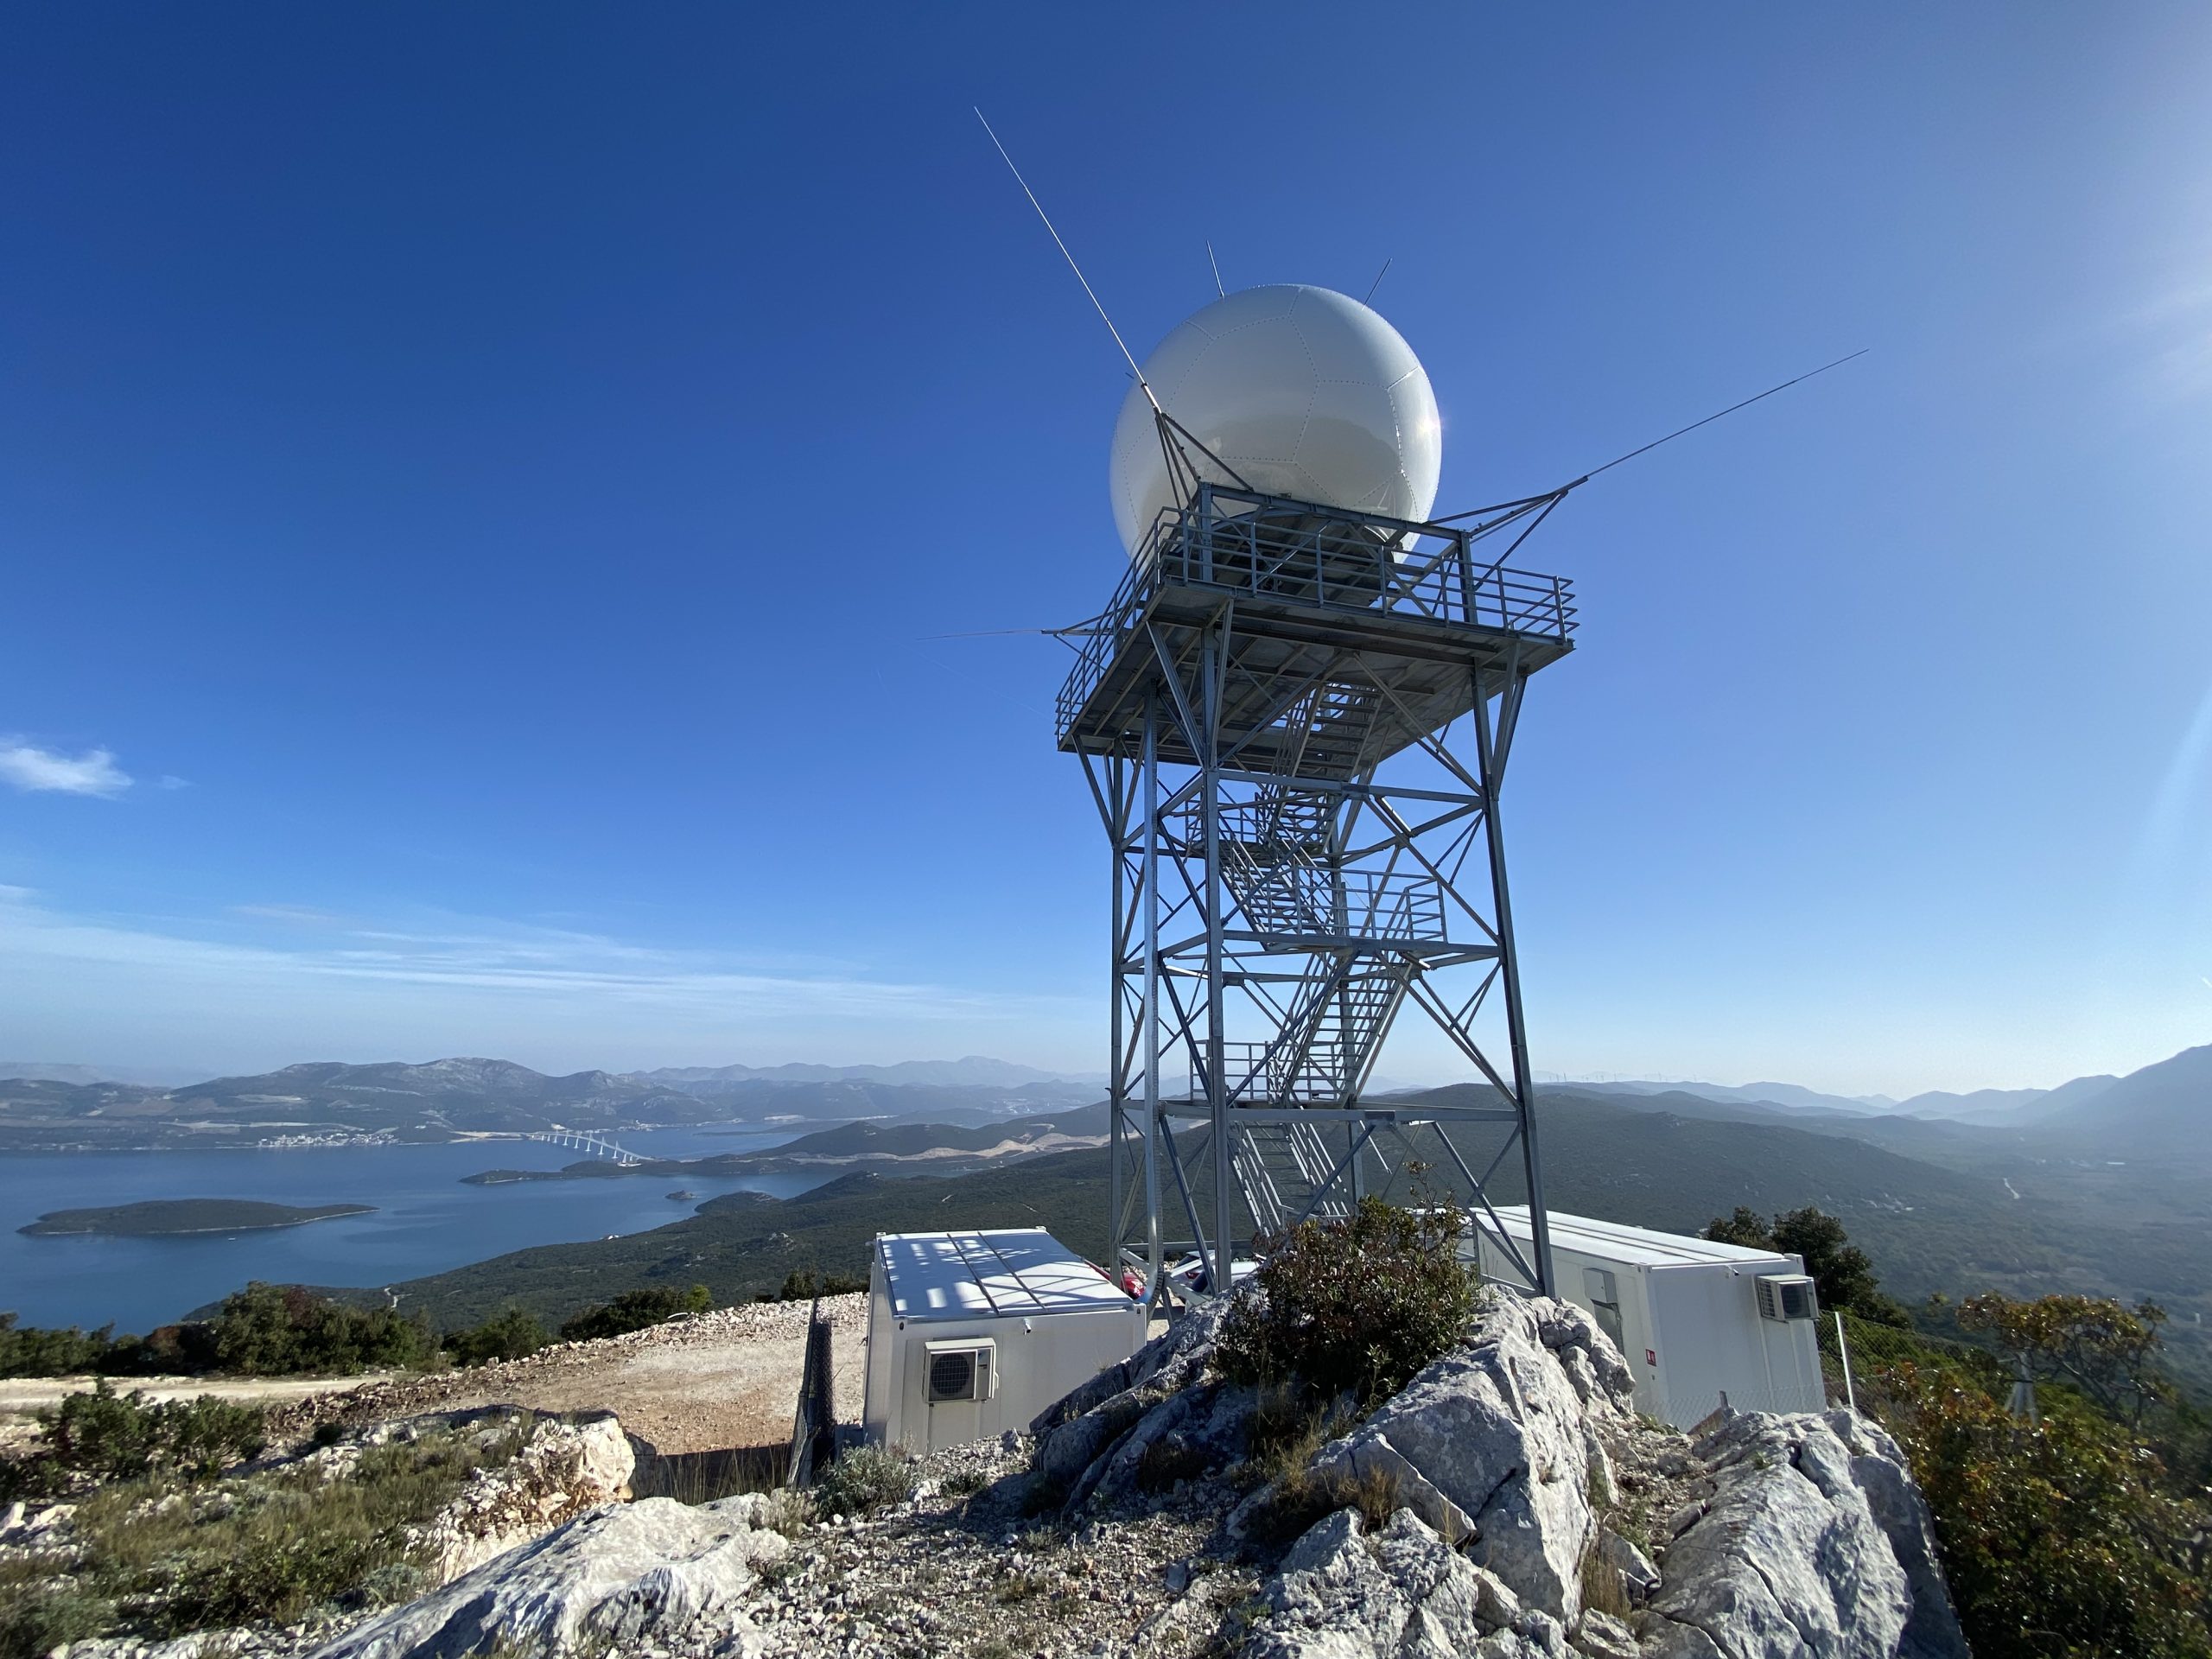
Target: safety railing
1295,551
1297,898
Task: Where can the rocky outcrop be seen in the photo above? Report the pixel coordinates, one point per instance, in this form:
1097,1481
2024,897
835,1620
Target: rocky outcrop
1496,1447
1802,1537
1789,1557
563,1471
1147,1419
1401,1593
620,1577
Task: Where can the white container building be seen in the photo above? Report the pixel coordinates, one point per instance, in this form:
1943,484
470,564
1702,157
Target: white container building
972,1333
1695,1320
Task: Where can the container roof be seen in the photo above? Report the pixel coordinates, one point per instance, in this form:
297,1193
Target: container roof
1002,1274
1639,1247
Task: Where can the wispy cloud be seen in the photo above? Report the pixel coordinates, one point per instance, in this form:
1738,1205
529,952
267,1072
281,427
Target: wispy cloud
29,767
472,959
2174,331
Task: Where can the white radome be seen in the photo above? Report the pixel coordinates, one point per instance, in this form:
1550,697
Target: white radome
1303,390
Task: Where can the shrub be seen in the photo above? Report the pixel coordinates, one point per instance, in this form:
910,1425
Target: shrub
37,1616
863,1480
273,1545
2089,1343
26,1350
512,1334
635,1310
2060,1540
108,1436
276,1330
1352,1306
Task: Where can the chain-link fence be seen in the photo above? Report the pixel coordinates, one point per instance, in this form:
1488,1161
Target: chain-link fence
1861,1361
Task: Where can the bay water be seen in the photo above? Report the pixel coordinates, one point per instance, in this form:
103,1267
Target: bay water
426,1219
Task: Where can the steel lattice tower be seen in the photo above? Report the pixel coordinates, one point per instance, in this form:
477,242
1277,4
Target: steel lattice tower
1277,901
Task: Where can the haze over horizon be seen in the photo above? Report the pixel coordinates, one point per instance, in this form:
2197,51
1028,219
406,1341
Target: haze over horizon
482,502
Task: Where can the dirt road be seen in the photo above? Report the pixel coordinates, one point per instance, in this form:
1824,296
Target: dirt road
728,1378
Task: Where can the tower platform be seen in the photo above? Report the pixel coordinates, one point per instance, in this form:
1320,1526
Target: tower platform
1310,590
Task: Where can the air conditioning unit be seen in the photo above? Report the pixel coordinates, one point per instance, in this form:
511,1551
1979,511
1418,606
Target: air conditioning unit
1786,1296
961,1370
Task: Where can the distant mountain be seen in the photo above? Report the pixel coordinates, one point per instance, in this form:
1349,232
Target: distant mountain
47,1071
62,1072
975,1071
331,1100
2160,1108
1788,1096
2005,1106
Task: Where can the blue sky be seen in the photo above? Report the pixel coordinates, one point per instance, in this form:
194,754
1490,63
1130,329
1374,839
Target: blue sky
477,487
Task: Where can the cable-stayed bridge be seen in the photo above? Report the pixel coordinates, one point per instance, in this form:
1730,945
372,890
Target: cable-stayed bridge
584,1141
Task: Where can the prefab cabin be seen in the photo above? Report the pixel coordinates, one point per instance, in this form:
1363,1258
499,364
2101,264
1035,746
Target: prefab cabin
972,1333
1695,1320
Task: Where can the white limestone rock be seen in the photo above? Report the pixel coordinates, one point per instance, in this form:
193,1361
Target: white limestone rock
1495,1428
1399,1593
1787,1561
563,1471
1878,1466
624,1576
1600,1636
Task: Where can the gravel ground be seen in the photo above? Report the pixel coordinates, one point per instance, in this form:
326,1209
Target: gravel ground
959,1571
728,1379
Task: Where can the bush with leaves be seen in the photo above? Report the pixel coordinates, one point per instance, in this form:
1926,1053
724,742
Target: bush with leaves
278,1330
2065,1539
107,1436
635,1310
1352,1306
2092,1344
512,1334
29,1351
803,1285
863,1479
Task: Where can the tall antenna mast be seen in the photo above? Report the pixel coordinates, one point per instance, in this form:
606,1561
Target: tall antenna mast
1127,356
1181,467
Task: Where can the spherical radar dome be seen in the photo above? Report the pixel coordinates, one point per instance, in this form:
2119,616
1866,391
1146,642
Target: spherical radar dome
1303,390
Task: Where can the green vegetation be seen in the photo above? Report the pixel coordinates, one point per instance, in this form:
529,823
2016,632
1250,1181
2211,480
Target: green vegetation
173,1551
99,1435
28,1351
862,1479
2086,1533
1353,1306
1839,1268
263,1331
635,1310
804,1285
1342,1314
158,1218
512,1333
282,1330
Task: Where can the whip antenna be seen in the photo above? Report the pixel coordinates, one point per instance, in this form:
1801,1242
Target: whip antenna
1073,266
1553,497
1709,419
1216,263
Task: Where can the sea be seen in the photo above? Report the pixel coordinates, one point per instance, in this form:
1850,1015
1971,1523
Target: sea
426,1218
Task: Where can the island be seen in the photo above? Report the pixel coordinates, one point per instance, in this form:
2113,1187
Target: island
169,1217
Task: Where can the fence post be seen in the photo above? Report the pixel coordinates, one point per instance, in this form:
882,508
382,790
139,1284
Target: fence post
1843,1349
